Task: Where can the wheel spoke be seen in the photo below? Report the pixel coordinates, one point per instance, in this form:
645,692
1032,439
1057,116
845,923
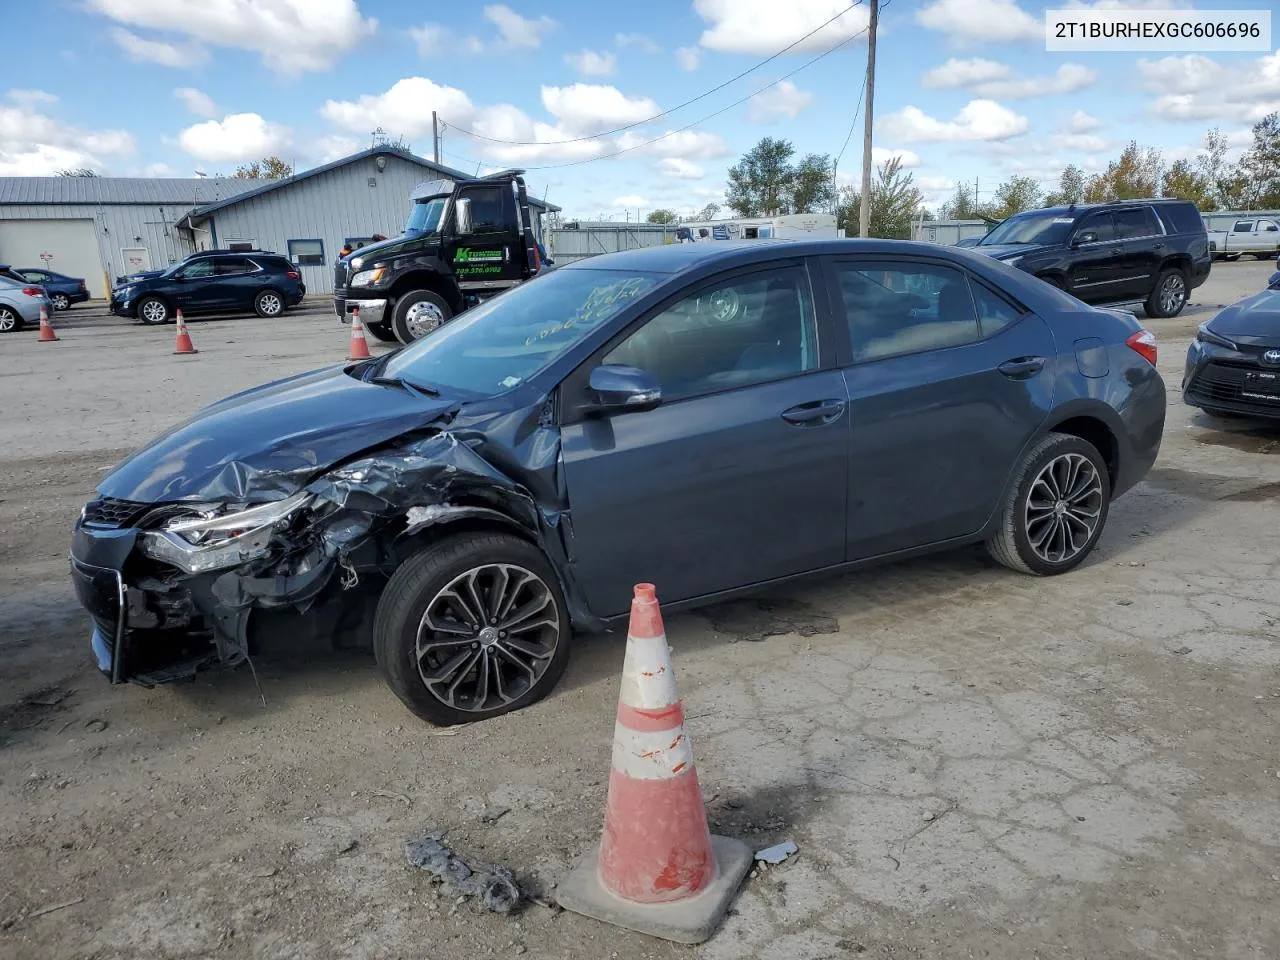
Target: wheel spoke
454,669
519,619
507,654
1063,507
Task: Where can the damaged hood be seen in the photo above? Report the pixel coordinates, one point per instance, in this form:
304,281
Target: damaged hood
269,442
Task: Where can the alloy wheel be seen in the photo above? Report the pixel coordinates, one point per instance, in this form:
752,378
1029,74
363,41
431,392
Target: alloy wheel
270,304
423,317
153,311
487,637
60,302
1173,293
1064,505
8,320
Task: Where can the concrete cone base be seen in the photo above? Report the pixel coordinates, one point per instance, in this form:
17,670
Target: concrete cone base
688,921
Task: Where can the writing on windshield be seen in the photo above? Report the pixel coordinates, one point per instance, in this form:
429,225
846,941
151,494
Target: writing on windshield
1039,228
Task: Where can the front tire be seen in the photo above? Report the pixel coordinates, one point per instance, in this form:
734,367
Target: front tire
268,303
1056,508
472,627
10,320
418,313
1170,294
381,331
61,301
153,311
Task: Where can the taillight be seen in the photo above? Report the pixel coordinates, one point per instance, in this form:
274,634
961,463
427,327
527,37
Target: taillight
82,285
294,275
33,291
1144,343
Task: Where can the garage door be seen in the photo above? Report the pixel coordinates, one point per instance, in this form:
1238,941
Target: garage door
71,244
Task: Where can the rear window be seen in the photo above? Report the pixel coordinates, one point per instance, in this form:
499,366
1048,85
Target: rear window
1180,217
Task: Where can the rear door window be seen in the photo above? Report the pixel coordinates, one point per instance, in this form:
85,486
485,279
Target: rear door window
234,266
1136,222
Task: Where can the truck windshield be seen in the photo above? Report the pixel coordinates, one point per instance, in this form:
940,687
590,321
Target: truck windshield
1039,228
425,216
504,341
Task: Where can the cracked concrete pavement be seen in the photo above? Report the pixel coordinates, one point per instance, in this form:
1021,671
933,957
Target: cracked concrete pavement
973,763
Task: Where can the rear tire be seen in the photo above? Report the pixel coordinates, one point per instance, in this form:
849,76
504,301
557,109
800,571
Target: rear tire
10,320
153,311
1169,295
61,301
381,331
1056,508
268,303
418,313
427,627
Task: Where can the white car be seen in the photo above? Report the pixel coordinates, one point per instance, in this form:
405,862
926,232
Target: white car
1260,237
20,304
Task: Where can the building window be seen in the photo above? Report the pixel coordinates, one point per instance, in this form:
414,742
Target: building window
307,253
240,246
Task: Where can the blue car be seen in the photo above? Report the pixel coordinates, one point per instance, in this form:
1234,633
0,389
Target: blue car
263,282
712,417
64,292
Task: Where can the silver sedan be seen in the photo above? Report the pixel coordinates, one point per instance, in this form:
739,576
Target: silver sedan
20,304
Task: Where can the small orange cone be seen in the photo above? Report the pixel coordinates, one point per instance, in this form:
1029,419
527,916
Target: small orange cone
46,328
182,343
658,870
359,345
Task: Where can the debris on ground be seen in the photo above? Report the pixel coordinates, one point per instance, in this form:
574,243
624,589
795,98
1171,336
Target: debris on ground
778,852
493,884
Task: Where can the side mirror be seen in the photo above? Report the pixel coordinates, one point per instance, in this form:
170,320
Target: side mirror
1087,236
620,389
462,217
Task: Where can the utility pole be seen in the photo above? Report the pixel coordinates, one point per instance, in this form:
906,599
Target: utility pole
435,136
864,207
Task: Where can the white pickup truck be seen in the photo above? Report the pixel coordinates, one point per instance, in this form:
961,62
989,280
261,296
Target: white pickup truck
1259,236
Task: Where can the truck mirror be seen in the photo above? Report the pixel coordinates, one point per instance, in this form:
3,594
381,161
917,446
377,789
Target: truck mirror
462,217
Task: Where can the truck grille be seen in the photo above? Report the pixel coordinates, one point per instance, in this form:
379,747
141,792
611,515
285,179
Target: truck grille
111,513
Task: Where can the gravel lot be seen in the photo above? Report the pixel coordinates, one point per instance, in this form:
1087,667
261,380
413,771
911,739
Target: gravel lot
973,763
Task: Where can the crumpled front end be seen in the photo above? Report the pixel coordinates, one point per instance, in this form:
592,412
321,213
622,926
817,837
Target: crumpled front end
174,588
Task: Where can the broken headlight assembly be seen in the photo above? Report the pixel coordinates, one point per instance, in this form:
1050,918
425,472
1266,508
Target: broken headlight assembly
199,544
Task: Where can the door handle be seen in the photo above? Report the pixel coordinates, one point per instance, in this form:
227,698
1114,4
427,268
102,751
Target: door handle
1021,368
1158,246
1116,252
814,413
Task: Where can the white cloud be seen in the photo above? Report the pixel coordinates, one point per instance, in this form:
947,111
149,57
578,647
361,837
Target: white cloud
32,98
157,170
679,168
935,184
515,30
630,201
158,53
688,58
1082,142
1195,87
765,26
432,38
592,64
35,144
981,21
963,73
784,99
291,36
1081,122
1068,78
687,144
590,108
977,120
196,101
637,40
336,147
238,136
403,110
535,140
879,155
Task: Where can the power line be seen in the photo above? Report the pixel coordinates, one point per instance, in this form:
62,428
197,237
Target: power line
710,116
680,106
854,122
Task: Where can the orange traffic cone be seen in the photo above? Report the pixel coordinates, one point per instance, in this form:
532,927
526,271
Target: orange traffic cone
46,328
658,870
182,343
359,345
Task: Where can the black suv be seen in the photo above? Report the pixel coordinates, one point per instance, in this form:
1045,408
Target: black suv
1149,251
212,281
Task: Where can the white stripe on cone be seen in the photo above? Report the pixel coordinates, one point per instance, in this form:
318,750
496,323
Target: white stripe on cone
651,755
648,682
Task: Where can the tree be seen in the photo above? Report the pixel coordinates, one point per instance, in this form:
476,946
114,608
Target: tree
662,216
1013,196
1133,176
1070,188
963,205
1260,165
812,189
762,182
708,212
268,168
77,172
895,202
1183,182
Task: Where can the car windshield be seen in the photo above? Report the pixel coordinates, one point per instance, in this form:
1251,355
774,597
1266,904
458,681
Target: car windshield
1045,228
425,216
503,342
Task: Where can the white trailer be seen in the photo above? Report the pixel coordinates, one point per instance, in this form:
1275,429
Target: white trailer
792,226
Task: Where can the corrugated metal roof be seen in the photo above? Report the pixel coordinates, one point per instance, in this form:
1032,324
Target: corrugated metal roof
166,190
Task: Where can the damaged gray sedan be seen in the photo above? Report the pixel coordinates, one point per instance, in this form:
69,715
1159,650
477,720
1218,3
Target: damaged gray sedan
712,417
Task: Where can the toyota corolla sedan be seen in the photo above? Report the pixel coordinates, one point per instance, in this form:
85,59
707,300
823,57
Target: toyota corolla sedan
711,417
1233,365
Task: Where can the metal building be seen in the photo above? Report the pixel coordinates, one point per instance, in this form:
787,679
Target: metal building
103,227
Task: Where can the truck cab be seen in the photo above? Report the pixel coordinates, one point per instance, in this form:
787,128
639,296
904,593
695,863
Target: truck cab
463,241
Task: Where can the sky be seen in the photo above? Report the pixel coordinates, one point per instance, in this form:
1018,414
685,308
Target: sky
568,89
